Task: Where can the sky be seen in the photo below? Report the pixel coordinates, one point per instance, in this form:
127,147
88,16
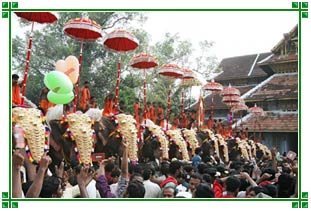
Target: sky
234,33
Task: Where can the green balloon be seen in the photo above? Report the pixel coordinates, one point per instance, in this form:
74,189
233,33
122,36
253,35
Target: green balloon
60,98
58,82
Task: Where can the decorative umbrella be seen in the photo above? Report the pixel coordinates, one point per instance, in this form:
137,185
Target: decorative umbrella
120,41
39,17
144,61
238,108
256,111
172,71
231,97
213,87
83,30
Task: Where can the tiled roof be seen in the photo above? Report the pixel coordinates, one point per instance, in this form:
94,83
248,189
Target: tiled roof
273,122
281,86
241,66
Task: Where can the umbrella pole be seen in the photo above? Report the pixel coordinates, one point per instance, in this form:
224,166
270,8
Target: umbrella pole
182,98
241,119
145,97
27,64
255,130
212,111
231,116
77,84
118,84
168,106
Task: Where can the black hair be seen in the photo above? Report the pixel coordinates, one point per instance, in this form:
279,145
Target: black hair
135,175
207,178
115,172
201,167
15,76
257,189
232,184
269,170
271,190
204,190
165,168
109,167
244,184
188,168
174,166
147,173
286,185
49,187
196,176
197,150
136,190
135,168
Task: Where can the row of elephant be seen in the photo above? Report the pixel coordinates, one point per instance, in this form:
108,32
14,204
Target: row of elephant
74,137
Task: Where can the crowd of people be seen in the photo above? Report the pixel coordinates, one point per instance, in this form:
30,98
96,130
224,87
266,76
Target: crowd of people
263,177
170,179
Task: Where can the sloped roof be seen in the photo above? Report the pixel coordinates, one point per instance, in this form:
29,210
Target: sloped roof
241,67
273,122
280,87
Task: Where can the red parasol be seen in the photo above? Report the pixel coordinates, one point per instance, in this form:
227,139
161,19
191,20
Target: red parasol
172,71
120,41
144,61
213,87
83,30
39,17
231,97
257,111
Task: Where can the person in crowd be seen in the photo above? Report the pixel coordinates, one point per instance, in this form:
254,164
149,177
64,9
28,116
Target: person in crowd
196,160
152,110
45,104
85,96
16,95
109,103
174,170
92,103
160,115
136,112
152,189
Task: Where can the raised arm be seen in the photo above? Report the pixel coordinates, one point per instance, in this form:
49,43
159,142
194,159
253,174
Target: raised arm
83,177
123,180
36,186
124,163
17,162
101,182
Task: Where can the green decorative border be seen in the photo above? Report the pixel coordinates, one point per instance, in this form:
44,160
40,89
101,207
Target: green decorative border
300,7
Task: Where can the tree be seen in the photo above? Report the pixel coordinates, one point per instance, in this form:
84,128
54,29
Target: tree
99,65
51,44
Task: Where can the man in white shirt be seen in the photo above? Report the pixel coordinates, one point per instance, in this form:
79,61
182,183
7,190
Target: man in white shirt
152,189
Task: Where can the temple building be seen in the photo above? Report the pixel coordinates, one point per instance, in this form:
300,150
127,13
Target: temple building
269,80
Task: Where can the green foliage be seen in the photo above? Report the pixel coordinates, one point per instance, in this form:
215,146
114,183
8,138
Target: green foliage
99,65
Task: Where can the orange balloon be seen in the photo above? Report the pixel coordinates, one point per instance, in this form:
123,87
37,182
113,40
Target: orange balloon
72,68
60,65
